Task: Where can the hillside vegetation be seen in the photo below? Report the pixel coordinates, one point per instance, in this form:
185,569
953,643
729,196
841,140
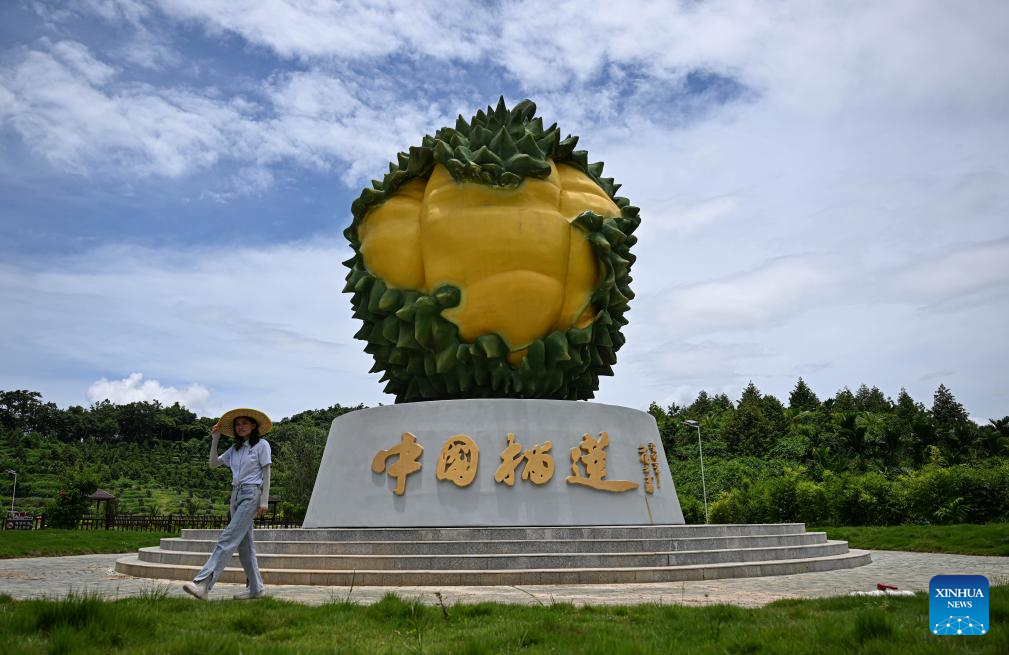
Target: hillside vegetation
152,458
854,459
857,458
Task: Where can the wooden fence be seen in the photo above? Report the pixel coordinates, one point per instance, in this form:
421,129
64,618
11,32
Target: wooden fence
145,523
172,522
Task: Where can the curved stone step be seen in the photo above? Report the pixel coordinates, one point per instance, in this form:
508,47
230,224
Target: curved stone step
509,561
132,565
539,533
509,555
404,547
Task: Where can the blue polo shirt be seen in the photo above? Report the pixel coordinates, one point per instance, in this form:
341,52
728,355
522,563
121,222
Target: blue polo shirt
247,463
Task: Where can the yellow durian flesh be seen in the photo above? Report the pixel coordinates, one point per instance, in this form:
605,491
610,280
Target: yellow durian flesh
523,269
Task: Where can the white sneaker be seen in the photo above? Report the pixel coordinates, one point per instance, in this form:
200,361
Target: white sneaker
248,594
196,589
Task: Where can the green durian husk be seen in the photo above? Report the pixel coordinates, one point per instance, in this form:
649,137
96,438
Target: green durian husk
419,351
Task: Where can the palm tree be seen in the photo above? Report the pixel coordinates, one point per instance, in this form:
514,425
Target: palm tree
993,439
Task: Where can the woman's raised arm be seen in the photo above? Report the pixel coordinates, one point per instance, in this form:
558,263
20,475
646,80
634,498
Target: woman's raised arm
215,436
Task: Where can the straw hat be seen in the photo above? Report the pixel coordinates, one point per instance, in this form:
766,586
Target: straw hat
226,422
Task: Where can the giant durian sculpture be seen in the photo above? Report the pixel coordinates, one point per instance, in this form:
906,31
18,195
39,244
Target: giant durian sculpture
492,261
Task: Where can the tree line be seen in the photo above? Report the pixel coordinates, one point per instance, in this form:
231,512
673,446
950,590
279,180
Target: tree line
863,428
143,451
836,454
855,458
103,422
858,430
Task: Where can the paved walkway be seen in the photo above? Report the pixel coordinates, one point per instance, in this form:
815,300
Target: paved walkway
56,576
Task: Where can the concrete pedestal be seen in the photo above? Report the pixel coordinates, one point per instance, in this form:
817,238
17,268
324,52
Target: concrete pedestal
348,493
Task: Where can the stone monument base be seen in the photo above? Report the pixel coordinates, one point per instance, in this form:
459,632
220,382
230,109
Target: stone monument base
508,556
493,462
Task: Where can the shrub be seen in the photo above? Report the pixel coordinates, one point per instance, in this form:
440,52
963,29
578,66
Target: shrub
779,496
732,507
773,500
861,500
693,510
958,494
71,501
792,447
293,512
811,502
720,473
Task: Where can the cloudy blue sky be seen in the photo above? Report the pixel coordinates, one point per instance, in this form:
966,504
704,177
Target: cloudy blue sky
824,186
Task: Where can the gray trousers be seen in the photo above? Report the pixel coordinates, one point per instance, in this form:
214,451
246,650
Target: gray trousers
238,535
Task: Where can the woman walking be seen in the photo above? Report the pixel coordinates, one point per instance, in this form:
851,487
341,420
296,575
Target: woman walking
249,459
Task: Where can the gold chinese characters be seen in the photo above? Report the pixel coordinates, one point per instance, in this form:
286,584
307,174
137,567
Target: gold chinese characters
649,457
407,451
459,460
591,453
539,464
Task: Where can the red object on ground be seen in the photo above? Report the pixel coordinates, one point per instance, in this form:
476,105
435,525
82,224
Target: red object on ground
882,586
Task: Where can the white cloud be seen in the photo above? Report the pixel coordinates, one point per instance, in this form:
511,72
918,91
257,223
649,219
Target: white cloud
131,11
353,30
686,220
247,181
148,50
957,276
321,118
817,56
77,57
63,107
134,388
314,95
752,298
63,102
813,70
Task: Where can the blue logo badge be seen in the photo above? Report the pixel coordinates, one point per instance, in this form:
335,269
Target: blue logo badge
958,605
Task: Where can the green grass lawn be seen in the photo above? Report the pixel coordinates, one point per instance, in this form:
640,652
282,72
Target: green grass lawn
171,625
49,542
990,539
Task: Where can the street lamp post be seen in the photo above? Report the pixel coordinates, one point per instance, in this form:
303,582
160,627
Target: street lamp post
704,488
15,490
